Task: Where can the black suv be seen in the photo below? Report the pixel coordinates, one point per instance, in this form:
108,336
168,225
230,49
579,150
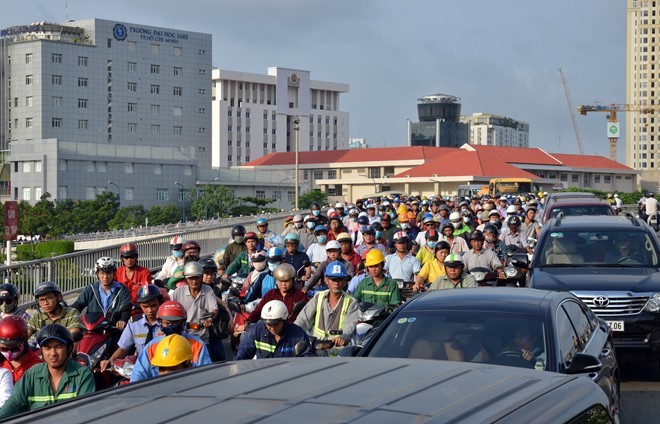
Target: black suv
611,263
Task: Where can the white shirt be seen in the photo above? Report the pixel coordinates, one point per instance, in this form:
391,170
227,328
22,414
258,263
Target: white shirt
6,385
317,253
651,206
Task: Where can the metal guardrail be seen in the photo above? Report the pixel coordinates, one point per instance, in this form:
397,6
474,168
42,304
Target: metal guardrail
74,271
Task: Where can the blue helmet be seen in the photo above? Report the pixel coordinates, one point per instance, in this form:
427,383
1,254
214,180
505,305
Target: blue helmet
335,269
274,254
262,221
320,228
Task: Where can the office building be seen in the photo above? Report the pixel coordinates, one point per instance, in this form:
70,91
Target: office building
256,114
495,130
439,123
97,101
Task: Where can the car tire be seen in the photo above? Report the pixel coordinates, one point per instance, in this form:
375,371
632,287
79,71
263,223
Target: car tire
616,400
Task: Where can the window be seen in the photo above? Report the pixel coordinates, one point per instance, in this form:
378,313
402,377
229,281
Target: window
563,177
580,321
155,69
37,193
28,101
178,51
132,127
132,86
26,193
28,58
201,91
575,178
90,193
82,103
318,175
37,167
56,122
91,166
82,82
56,58
128,168
567,339
178,71
178,91
62,192
201,110
155,89
597,179
201,51
178,130
63,165
132,107
28,122
132,66
201,129
28,80
201,71
177,111
155,109
131,46
155,48
82,60
158,169
260,194
128,193
56,79
101,166
607,179
83,124
27,167
155,129
332,174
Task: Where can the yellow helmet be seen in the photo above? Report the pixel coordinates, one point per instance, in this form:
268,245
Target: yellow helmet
402,209
374,257
172,351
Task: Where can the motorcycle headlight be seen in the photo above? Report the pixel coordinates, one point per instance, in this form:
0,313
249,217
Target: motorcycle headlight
653,304
510,271
95,357
478,275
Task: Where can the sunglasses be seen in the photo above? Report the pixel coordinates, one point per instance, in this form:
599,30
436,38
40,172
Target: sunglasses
129,257
6,300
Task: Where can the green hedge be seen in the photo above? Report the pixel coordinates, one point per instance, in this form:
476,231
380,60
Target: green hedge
47,249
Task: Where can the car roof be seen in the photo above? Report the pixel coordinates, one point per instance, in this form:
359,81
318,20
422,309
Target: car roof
501,299
571,201
362,390
568,194
595,222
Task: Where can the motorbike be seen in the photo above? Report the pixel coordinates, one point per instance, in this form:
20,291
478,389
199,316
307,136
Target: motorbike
123,367
652,220
484,276
99,341
370,316
405,288
515,270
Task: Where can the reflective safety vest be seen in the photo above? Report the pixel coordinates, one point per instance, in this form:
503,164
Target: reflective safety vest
324,334
264,346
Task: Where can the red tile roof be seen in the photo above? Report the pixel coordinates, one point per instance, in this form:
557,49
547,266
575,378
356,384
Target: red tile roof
380,154
526,155
461,162
588,161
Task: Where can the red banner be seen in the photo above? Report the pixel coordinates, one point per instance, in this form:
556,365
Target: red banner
11,220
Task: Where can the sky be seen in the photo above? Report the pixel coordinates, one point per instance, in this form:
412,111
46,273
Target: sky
499,57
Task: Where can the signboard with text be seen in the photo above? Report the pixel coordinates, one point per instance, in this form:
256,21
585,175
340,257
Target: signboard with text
11,220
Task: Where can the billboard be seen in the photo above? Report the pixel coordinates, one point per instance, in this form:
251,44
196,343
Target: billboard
613,130
11,220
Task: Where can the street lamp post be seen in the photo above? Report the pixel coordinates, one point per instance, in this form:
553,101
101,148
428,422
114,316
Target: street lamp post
296,128
206,200
183,201
118,191
279,187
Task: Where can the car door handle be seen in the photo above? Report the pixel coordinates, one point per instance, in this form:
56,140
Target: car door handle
606,352
593,375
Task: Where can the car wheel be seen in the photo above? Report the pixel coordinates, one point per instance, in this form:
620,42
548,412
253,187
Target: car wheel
615,397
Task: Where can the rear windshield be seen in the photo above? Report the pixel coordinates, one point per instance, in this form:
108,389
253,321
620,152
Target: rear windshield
616,248
581,210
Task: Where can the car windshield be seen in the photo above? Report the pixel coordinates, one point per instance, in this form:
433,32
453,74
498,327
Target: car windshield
597,248
581,210
474,336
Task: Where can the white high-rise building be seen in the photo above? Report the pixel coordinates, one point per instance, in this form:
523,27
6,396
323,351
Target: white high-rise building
97,101
495,130
255,114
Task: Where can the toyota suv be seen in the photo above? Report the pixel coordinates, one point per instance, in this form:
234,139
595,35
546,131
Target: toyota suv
611,263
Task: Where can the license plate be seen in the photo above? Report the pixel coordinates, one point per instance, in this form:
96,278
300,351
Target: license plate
615,325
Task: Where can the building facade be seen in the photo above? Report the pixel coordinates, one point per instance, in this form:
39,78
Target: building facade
495,130
255,114
98,105
439,123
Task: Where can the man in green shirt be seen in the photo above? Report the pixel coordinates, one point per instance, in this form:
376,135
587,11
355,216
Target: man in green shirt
377,288
51,310
58,379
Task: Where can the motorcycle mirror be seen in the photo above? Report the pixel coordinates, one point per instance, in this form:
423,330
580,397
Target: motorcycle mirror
234,307
297,307
77,336
234,291
300,348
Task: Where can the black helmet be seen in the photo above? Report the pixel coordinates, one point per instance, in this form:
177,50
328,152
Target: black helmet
490,228
47,287
476,235
9,290
149,292
363,220
315,205
209,264
237,230
55,331
513,220
191,245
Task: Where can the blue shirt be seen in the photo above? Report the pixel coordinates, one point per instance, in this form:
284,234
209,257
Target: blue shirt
355,281
135,334
106,297
403,269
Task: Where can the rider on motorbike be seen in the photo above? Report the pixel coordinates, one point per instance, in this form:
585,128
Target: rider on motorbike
236,246
51,310
173,261
376,287
173,353
455,277
17,357
285,275
333,253
478,257
198,300
10,297
273,336
131,274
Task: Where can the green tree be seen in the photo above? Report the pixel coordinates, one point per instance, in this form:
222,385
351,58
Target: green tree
128,217
251,205
310,197
39,220
158,215
219,199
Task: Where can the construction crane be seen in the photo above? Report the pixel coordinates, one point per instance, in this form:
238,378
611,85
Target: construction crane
571,109
612,123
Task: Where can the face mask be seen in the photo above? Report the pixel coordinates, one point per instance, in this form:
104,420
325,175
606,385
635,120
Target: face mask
311,225
174,328
316,212
378,234
12,355
490,239
363,228
466,219
354,218
272,265
321,239
431,244
404,225
177,253
239,239
259,266
456,224
7,308
298,224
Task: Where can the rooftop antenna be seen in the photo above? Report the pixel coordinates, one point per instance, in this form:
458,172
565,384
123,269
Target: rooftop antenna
66,10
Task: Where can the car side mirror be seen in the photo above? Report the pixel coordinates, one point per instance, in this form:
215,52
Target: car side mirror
350,351
520,261
584,363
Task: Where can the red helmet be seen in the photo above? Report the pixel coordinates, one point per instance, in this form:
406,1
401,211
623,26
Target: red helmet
191,245
172,311
251,235
128,249
13,331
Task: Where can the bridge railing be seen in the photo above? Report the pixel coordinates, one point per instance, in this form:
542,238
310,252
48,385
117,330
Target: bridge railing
74,271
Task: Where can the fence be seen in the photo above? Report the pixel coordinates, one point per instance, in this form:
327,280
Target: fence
75,270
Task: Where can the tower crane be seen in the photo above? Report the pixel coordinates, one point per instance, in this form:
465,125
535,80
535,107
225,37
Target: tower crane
571,109
612,123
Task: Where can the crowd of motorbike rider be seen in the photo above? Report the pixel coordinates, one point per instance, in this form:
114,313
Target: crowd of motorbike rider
300,284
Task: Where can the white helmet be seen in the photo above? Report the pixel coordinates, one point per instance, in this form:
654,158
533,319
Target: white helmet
106,264
511,209
454,216
274,312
